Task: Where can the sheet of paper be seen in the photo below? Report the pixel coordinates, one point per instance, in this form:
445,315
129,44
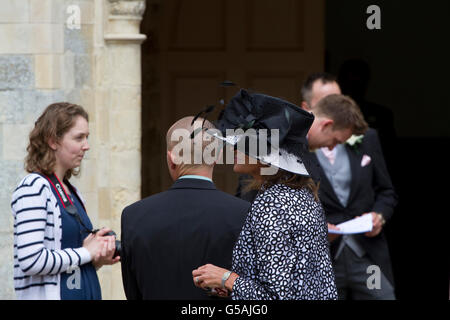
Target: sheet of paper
358,225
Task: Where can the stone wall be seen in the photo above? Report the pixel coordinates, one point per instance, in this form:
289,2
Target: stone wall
45,59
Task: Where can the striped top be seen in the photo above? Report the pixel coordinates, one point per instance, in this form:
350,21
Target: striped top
38,257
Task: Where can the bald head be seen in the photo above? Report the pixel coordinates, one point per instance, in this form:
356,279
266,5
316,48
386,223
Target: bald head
185,155
185,124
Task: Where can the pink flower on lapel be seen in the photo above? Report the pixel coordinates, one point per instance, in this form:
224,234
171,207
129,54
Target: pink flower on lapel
365,160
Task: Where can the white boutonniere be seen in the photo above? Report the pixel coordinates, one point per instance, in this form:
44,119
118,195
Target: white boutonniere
354,141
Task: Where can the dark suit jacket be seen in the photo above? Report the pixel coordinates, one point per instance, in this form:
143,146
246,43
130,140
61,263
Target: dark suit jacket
381,118
167,235
371,190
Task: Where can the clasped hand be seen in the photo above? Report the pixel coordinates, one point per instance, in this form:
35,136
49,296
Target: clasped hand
209,277
101,248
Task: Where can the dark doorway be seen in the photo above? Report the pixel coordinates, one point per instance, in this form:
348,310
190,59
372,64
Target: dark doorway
193,46
408,75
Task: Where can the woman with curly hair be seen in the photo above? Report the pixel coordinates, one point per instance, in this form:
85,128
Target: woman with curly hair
56,252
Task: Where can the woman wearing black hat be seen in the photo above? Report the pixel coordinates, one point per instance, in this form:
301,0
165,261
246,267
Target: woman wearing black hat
282,251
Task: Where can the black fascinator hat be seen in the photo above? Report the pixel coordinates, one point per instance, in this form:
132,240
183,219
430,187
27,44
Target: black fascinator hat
252,112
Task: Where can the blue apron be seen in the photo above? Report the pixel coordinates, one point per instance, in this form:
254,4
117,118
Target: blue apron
80,284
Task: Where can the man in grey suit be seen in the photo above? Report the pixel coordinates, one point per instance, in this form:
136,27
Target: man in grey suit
354,181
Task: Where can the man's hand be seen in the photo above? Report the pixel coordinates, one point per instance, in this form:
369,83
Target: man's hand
377,223
332,236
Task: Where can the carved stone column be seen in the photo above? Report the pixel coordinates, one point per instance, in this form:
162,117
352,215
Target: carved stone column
122,87
124,20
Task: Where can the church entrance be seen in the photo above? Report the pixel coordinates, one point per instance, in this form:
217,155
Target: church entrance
193,45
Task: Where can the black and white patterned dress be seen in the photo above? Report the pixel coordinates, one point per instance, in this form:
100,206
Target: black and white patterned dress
283,251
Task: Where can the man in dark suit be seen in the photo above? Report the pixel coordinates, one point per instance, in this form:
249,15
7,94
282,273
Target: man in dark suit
354,182
167,235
